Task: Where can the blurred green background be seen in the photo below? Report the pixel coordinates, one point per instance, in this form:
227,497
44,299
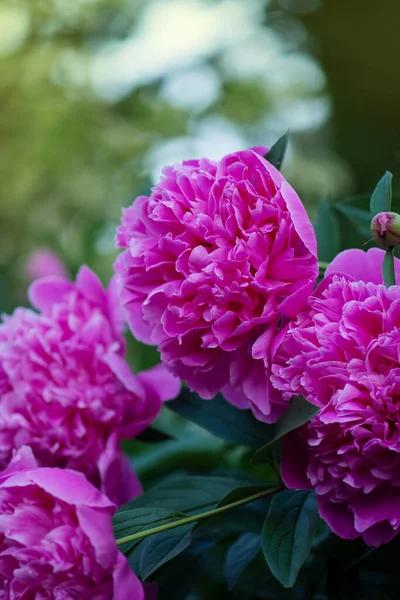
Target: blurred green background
96,95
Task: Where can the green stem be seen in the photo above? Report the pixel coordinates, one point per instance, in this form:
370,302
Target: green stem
388,271
323,265
276,466
198,517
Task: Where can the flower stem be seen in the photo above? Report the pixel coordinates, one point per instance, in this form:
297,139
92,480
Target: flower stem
388,271
198,517
323,265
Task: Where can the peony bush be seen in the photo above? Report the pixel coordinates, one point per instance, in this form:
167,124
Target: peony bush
257,454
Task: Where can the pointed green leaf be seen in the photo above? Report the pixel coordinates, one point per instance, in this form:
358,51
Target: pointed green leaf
189,494
245,492
365,554
388,272
327,230
129,522
160,548
288,533
299,412
357,212
381,199
239,556
163,547
277,152
153,435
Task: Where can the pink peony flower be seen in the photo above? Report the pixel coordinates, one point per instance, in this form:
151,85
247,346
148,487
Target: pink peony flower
44,263
343,355
66,389
213,259
56,537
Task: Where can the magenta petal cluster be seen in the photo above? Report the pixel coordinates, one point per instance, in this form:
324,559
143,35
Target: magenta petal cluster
343,355
66,390
213,259
56,537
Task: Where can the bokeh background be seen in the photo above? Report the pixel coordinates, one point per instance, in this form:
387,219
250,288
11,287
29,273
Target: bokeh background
96,95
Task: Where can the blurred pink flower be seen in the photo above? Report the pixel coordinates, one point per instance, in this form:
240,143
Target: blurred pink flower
66,389
56,537
213,259
44,263
343,355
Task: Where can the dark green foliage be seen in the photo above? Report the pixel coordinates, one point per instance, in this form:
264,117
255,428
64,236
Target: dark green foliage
222,419
299,412
381,199
288,533
239,556
328,232
389,277
179,498
277,152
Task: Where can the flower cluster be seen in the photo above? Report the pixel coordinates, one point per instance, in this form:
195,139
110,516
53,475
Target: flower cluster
217,270
66,390
213,259
342,353
67,398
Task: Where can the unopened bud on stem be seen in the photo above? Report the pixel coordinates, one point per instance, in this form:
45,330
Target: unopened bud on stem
385,229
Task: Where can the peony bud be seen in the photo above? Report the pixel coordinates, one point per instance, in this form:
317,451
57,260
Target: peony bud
385,229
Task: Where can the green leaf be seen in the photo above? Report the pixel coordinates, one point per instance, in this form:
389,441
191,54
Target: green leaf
299,412
351,236
388,272
277,152
153,435
365,554
152,461
178,578
381,199
244,492
239,556
163,547
139,356
129,522
327,230
192,494
257,583
357,211
222,419
160,548
288,533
